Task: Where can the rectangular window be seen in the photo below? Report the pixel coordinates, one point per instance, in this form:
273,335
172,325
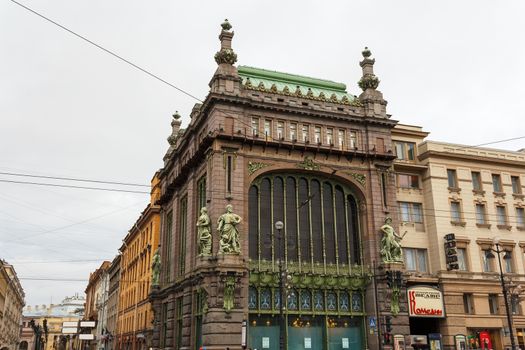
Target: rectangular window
169,240
405,150
329,136
520,217
487,262
317,134
255,126
480,214
353,140
476,181
229,169
496,183
179,314
516,185
493,304
407,181
201,193
452,179
411,212
468,303
280,130
455,211
415,259
341,139
183,227
306,133
293,131
509,268
515,304
501,214
462,259
267,128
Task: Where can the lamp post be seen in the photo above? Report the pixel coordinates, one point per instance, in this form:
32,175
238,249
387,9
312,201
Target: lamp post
282,330
507,256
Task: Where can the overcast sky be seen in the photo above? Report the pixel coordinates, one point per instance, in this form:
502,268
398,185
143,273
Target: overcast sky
69,109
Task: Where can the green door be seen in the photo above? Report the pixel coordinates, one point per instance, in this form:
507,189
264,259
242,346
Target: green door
306,333
263,332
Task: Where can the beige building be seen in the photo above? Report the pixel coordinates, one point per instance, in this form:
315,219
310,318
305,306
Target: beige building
11,304
476,194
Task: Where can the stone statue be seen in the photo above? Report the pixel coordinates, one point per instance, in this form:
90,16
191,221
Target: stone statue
229,236
204,233
228,297
155,268
390,247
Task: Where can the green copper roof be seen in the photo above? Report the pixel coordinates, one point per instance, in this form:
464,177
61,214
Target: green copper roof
295,85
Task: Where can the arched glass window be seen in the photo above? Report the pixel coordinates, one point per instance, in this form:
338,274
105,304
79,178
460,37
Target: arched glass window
320,219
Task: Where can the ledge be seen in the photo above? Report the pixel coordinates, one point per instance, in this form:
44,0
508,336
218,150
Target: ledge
478,192
520,228
484,225
454,189
518,195
499,194
458,223
504,227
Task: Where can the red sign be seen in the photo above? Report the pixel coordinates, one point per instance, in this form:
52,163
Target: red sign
425,301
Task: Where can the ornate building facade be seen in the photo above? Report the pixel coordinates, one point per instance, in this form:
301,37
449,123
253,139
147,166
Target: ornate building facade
11,304
134,324
97,293
265,147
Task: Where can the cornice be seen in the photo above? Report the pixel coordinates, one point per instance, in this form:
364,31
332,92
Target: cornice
476,159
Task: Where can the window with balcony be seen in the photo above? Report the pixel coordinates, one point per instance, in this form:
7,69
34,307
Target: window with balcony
280,130
306,133
293,131
353,139
329,136
341,138
268,127
405,150
415,259
317,134
496,183
255,126
452,178
407,181
410,212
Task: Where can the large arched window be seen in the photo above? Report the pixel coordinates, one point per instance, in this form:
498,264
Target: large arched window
320,220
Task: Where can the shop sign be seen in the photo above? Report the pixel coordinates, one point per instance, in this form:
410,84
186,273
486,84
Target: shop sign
424,301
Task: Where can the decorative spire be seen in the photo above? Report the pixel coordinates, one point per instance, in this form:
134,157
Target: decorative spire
226,55
368,80
175,127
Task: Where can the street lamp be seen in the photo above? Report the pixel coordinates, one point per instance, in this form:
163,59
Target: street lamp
507,256
282,330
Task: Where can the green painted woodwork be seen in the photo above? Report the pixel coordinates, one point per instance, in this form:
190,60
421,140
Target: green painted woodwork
296,85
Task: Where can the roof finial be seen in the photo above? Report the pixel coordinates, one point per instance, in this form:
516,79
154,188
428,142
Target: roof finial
368,80
176,115
226,54
226,25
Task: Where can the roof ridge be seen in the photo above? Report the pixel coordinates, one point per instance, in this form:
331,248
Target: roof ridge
292,78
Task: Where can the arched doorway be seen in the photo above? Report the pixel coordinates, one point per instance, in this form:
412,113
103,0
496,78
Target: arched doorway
23,345
322,254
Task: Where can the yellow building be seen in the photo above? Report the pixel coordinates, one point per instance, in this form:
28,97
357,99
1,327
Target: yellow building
11,304
476,194
135,316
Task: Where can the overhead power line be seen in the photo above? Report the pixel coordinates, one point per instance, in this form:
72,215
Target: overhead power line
105,50
73,179
72,186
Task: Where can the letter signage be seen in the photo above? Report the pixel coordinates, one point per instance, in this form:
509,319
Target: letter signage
424,301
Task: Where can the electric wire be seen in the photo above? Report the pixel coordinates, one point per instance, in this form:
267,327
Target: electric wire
72,186
73,179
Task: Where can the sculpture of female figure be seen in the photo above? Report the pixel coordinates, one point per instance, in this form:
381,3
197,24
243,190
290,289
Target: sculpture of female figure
390,246
155,268
204,233
229,236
